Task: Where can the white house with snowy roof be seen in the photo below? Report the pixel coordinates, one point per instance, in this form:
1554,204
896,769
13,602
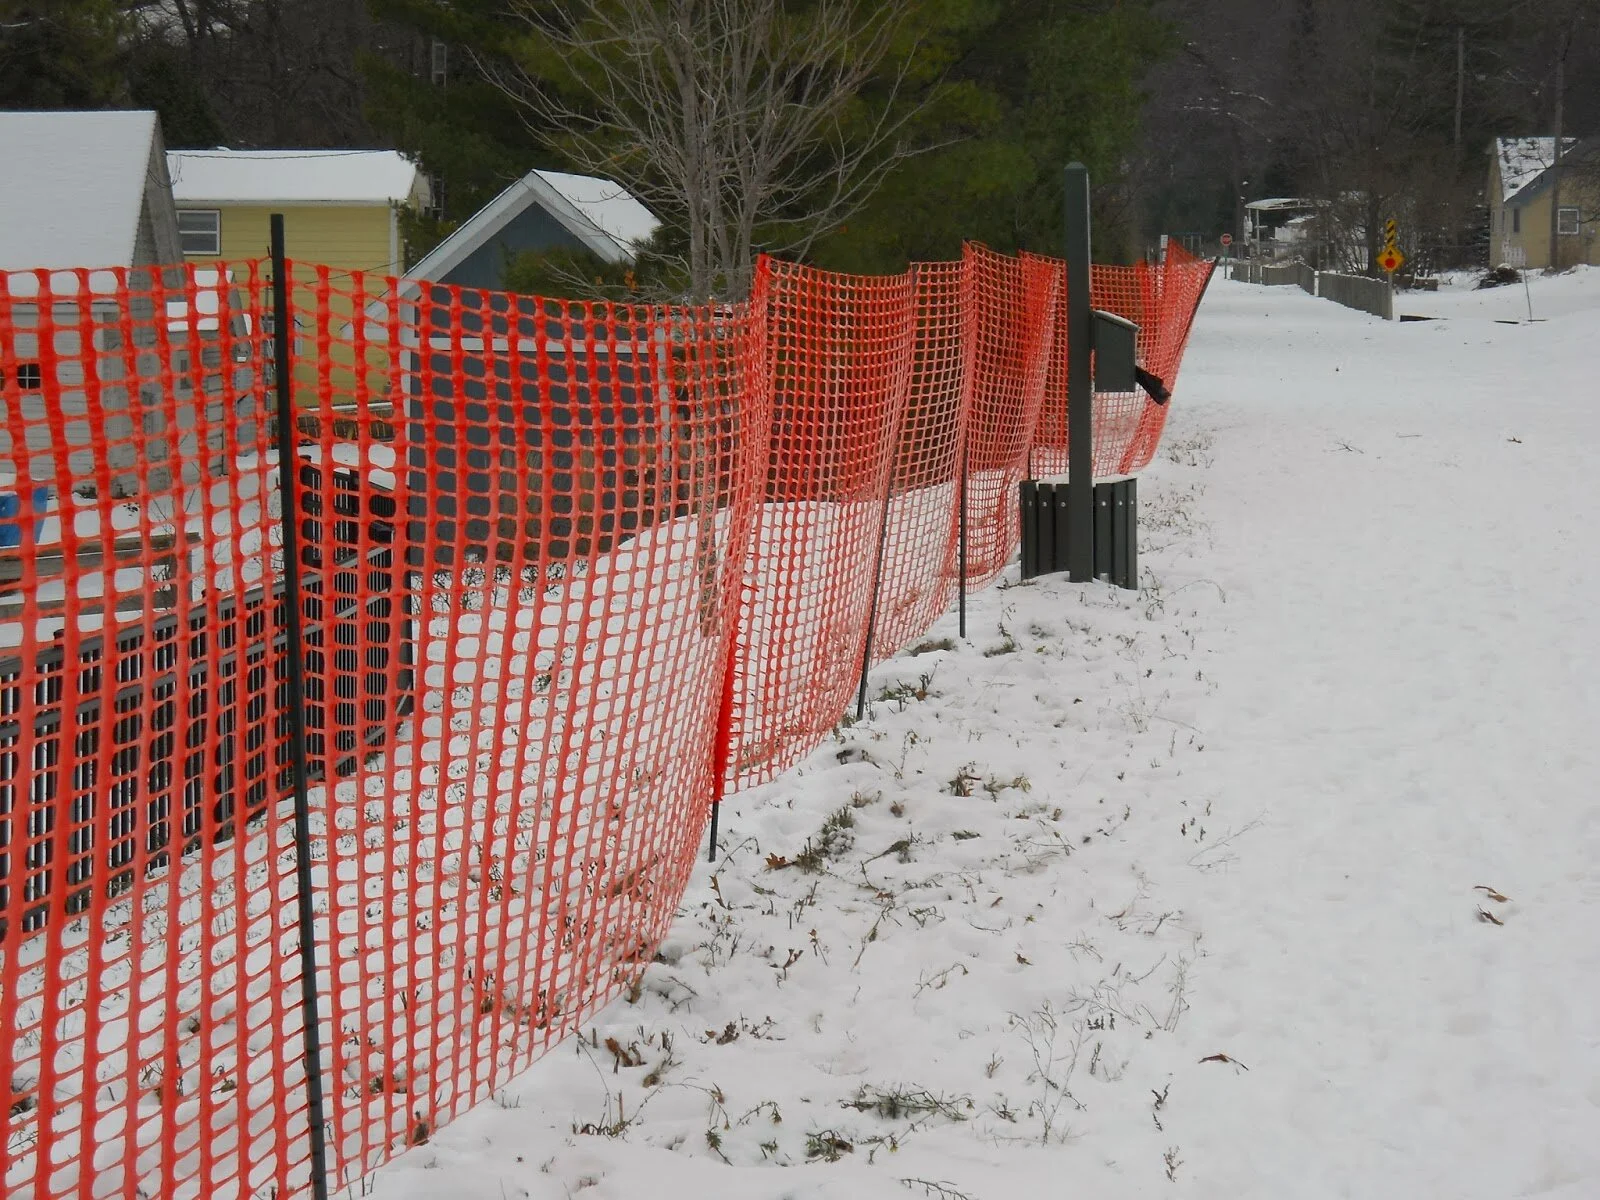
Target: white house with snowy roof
84,189
1522,190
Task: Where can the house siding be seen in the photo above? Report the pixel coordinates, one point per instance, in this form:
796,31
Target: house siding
531,229
1520,227
346,237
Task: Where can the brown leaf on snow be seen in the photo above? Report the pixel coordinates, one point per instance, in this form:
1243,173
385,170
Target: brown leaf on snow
1223,1058
1485,915
776,862
1491,893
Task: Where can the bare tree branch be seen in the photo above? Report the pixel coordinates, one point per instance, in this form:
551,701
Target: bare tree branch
741,122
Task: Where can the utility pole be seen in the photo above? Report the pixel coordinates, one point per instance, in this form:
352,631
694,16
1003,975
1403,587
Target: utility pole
1562,47
1461,83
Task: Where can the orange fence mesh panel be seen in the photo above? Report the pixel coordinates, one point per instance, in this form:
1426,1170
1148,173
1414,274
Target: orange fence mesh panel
1178,285
839,359
1011,305
148,967
1161,300
920,558
568,571
535,514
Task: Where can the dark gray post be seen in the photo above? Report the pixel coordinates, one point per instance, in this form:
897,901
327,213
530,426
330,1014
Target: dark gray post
961,534
1080,385
295,644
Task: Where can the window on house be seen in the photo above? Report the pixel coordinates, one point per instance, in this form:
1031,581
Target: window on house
1567,221
1516,220
29,377
439,63
200,230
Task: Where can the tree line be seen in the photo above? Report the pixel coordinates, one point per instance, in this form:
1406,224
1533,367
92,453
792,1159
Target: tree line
858,135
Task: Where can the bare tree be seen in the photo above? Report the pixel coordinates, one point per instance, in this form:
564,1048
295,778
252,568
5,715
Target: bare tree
743,123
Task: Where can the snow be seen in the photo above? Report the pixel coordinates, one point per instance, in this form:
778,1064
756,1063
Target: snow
72,187
1174,892
1524,159
293,177
608,206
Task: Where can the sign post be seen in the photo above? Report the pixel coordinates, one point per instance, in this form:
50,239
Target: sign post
1080,383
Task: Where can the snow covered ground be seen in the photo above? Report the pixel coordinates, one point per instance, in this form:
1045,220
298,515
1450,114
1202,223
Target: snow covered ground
1277,878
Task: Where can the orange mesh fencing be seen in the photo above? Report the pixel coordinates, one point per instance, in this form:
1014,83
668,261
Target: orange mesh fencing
577,484
920,568
569,572
1161,299
1012,310
839,352
148,970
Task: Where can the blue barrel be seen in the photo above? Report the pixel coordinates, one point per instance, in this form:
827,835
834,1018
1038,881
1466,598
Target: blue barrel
10,507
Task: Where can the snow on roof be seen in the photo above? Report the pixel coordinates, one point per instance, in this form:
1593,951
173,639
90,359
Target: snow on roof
603,215
608,206
1280,202
294,177
1524,159
72,187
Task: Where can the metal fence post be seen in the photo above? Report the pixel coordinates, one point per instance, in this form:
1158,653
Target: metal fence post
283,343
1080,385
961,536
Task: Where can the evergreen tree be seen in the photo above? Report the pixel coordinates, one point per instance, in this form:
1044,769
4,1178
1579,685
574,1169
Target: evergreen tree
61,54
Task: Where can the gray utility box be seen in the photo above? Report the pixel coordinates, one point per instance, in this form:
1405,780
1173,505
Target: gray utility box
1045,537
1116,347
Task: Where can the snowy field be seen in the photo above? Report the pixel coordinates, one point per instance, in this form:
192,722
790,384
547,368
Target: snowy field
1276,879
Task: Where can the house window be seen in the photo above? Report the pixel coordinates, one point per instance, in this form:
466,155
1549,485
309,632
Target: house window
1567,221
29,377
1516,220
439,61
200,230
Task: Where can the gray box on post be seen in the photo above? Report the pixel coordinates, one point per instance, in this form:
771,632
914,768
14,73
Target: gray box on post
1116,348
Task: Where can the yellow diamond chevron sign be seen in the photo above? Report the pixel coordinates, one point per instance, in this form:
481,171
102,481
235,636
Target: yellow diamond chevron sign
1391,260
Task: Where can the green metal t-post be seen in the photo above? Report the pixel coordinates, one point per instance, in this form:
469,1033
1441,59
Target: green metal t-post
1080,383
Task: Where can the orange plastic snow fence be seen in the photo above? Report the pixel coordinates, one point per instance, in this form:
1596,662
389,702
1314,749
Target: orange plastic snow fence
570,573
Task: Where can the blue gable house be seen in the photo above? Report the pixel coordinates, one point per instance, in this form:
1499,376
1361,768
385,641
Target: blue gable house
543,210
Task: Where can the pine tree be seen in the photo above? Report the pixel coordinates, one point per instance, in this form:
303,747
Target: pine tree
61,54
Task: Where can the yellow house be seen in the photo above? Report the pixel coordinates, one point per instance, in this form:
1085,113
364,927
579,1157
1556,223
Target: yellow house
1520,198
341,208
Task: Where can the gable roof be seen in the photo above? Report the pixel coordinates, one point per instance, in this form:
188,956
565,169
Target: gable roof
1523,159
361,177
72,187
603,215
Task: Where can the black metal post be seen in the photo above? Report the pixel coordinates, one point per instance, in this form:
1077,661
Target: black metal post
282,348
961,540
1080,384
877,574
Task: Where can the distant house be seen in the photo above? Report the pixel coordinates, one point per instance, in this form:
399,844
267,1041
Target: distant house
544,210
84,189
341,207
1276,227
90,190
1521,193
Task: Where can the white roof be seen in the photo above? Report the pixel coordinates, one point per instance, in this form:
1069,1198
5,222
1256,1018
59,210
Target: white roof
608,206
1524,159
603,215
72,187
294,177
1280,202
